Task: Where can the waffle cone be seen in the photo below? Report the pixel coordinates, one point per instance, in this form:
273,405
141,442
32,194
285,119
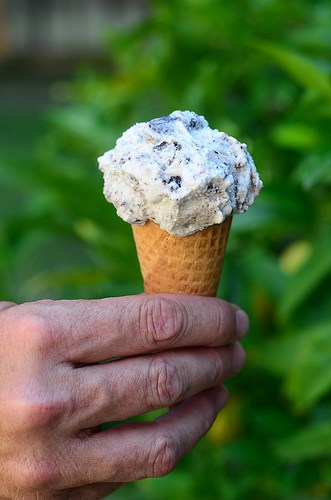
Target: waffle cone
189,265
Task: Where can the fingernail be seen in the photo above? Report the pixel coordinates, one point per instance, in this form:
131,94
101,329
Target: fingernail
239,357
242,322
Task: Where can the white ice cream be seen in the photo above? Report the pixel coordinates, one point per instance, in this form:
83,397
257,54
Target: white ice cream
178,172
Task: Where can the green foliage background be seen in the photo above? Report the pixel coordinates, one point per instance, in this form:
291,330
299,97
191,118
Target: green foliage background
259,70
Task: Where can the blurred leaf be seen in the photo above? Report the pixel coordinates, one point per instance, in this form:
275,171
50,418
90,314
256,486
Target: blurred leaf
296,136
304,282
279,208
227,424
315,169
259,268
309,443
276,355
310,376
44,282
302,69
303,359
82,123
295,256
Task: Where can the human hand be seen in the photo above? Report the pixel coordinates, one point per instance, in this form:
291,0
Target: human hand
171,351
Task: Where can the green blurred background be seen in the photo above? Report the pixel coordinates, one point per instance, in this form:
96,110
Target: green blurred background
257,69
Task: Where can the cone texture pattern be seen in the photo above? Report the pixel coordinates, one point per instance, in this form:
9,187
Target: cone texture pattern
189,265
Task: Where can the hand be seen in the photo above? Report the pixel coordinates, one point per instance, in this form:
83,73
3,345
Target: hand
167,350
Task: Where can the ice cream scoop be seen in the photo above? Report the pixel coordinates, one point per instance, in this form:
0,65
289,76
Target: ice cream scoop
178,182
180,173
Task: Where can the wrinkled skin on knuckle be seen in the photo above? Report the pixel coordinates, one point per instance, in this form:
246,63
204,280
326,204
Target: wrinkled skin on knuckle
162,320
165,382
164,456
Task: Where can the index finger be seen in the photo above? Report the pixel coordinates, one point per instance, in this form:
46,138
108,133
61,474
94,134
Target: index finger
95,330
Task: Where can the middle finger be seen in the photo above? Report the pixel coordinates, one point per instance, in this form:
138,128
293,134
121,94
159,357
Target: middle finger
127,387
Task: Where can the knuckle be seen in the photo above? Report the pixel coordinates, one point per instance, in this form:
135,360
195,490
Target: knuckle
6,305
44,413
37,474
33,327
162,320
30,415
164,456
166,386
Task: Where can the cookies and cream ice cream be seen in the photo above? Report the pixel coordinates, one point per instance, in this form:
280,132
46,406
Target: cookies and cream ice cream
180,173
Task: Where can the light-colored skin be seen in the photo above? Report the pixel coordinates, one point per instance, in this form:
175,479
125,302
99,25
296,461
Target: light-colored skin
172,351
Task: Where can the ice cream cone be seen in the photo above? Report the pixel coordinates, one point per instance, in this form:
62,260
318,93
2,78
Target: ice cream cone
188,265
